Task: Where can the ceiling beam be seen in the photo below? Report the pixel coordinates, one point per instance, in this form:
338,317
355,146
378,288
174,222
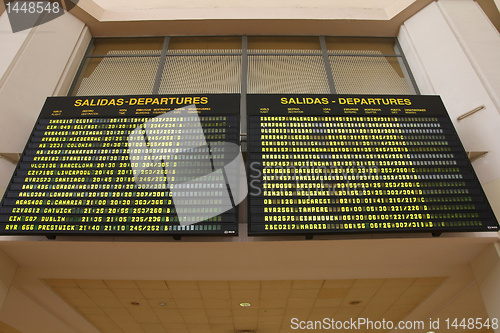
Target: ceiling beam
350,26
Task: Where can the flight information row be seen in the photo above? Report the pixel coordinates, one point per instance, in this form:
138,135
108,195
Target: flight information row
144,218
176,118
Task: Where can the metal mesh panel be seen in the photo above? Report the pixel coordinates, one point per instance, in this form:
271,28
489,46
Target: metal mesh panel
293,74
201,73
188,70
367,75
284,52
122,75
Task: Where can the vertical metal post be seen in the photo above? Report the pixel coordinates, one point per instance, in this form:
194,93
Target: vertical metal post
405,66
161,66
81,67
328,68
244,87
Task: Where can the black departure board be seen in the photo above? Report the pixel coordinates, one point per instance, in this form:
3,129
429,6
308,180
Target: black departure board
117,164
349,163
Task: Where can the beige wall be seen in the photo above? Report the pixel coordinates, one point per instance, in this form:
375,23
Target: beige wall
34,64
7,271
447,60
486,269
34,72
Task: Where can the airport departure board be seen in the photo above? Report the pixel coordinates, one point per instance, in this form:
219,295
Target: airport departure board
117,164
349,163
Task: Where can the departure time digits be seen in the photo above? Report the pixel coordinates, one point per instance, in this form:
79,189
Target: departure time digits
76,174
358,173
